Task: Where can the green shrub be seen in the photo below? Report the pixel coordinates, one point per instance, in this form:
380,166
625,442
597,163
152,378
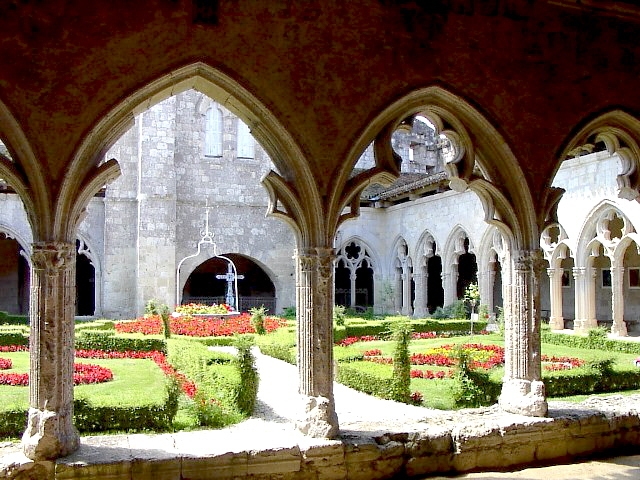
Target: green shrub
106,340
289,313
245,363
339,315
10,319
472,387
257,319
365,382
13,338
593,341
286,353
401,336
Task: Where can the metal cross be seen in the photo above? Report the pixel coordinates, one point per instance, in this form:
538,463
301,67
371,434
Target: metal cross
230,277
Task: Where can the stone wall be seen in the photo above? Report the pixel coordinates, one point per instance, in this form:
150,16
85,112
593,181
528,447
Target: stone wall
450,442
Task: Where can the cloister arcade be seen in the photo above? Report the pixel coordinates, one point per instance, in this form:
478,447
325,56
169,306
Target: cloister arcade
513,89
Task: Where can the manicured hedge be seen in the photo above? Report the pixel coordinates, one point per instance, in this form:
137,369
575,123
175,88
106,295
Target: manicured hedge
382,328
9,319
106,340
91,418
13,338
220,376
365,382
593,341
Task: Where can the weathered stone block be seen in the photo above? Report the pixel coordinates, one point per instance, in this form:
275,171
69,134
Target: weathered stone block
228,465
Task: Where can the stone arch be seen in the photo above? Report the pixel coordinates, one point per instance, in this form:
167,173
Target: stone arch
401,274
480,159
247,266
619,133
355,272
427,276
595,225
15,271
458,244
85,249
87,171
22,170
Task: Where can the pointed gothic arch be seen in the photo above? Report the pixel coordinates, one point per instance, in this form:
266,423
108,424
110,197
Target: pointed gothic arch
354,274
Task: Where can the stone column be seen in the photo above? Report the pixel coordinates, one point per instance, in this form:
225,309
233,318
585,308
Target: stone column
314,284
580,297
352,298
406,292
556,322
619,328
587,301
50,432
449,283
420,302
397,294
523,390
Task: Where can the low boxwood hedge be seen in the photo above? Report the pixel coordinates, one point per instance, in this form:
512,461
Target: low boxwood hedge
107,340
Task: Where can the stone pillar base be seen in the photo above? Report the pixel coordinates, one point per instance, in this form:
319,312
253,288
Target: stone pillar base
523,397
619,329
319,418
49,435
583,326
556,323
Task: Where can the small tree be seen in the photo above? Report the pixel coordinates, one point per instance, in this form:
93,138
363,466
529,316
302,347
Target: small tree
154,307
339,314
257,319
472,297
401,383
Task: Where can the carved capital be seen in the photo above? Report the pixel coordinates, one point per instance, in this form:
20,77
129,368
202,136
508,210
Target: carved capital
529,261
52,257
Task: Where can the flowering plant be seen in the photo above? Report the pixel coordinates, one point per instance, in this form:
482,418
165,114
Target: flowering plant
199,308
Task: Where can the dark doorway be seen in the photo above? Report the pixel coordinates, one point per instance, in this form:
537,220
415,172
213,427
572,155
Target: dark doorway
467,270
255,289
85,284
342,285
364,285
14,277
435,292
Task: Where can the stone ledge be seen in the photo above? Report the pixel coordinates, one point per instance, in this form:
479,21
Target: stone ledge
480,439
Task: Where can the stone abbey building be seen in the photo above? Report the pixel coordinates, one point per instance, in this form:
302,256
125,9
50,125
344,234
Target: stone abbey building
416,245
535,109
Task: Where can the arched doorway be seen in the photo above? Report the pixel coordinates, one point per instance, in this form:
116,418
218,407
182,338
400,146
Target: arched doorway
467,270
435,292
255,287
14,277
85,282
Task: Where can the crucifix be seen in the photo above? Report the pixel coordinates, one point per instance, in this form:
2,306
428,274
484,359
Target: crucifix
230,277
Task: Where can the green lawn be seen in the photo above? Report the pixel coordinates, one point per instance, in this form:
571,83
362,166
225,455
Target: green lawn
135,382
436,393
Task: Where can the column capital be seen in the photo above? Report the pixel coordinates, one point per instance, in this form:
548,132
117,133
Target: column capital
529,260
52,256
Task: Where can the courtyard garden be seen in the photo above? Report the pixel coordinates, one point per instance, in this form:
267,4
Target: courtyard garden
159,372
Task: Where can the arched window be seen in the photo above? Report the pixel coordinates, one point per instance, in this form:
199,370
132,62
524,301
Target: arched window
213,132
245,141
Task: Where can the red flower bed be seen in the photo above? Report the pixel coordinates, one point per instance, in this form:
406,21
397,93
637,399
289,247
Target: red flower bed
430,374
561,363
423,335
345,342
5,363
14,348
199,326
372,353
83,373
